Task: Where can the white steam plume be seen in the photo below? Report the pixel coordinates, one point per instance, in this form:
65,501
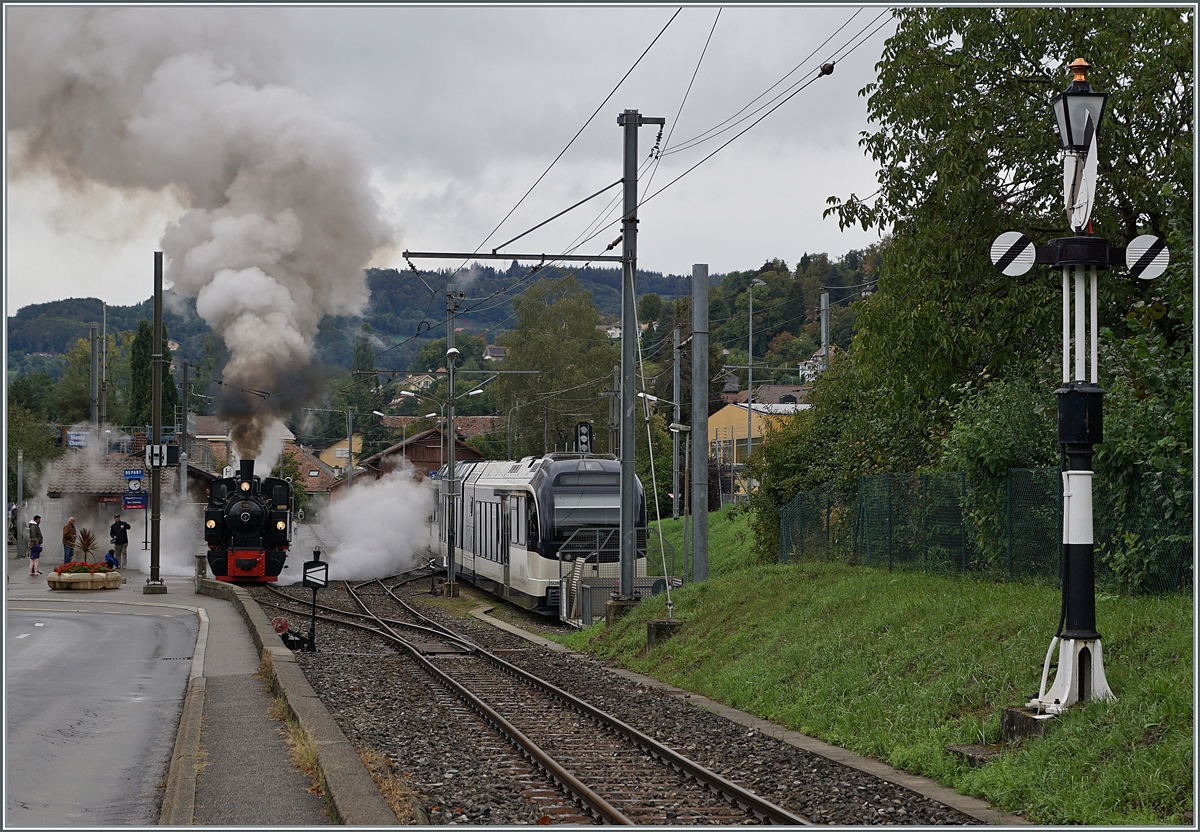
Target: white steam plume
281,219
381,527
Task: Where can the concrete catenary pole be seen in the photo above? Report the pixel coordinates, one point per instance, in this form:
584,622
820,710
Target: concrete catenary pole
700,422
824,330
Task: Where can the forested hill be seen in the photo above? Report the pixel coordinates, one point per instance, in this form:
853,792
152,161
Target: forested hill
40,334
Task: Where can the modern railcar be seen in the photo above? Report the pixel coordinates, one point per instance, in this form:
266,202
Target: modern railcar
248,526
531,530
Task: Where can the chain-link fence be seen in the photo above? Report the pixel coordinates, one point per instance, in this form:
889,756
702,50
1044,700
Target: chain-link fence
941,522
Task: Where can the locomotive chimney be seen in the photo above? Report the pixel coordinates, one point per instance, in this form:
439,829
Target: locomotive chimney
246,470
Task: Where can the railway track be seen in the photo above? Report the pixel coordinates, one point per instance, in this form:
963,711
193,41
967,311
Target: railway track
578,763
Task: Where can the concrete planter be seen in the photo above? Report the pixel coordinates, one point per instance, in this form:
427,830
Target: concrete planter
84,580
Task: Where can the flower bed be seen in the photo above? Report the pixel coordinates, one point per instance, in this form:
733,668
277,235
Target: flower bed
78,566
82,575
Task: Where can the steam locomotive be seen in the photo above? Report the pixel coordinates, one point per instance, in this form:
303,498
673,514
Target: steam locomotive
534,531
248,526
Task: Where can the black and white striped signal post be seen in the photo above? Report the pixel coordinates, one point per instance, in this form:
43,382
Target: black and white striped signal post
1078,110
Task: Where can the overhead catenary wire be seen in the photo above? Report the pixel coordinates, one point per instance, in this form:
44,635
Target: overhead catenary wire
721,127
578,133
839,54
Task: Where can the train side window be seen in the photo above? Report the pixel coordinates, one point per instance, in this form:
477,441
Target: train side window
218,492
514,522
534,532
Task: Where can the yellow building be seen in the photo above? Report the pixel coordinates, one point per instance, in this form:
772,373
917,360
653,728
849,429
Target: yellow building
728,426
336,455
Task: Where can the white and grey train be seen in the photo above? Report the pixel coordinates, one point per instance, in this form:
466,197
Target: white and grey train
542,532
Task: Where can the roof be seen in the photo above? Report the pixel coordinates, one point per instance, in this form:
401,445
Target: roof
325,476
468,426
419,439
401,422
770,409
211,426
78,473
775,393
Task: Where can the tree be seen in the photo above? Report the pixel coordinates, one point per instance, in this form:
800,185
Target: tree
140,409
32,392
32,435
555,333
366,393
288,466
966,149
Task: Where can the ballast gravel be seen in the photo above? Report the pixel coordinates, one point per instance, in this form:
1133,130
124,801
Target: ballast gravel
459,774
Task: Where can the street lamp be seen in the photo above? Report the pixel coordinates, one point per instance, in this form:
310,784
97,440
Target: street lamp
1078,109
750,376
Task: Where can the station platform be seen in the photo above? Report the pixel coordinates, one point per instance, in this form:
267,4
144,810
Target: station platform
231,765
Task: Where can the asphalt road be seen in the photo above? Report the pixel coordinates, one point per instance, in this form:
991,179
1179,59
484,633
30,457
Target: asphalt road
93,698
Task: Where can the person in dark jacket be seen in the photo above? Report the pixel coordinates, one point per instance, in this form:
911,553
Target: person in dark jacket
119,532
68,540
35,544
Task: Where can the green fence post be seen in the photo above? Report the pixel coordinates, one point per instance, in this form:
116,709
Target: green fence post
1008,530
962,516
888,480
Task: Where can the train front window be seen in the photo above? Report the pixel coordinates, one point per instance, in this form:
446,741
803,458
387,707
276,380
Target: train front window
588,479
584,510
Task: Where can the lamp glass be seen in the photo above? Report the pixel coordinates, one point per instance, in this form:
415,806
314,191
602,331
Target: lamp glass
1071,111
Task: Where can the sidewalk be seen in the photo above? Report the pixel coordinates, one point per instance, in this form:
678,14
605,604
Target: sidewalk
230,765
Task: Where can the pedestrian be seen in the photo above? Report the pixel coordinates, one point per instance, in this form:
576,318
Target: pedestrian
110,560
35,544
68,541
12,524
119,534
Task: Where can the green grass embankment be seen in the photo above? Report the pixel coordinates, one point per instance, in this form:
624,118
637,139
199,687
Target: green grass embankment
899,665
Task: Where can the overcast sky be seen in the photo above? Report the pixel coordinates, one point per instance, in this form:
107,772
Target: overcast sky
454,113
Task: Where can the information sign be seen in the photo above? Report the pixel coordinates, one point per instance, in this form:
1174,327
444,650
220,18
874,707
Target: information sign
134,500
77,439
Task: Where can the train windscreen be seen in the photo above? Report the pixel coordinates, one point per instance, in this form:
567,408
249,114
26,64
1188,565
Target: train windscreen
572,511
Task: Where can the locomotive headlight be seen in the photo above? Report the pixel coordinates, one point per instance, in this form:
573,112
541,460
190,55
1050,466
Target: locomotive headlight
212,524
245,486
280,525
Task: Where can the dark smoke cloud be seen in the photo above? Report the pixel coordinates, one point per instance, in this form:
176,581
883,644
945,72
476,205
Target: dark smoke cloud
281,219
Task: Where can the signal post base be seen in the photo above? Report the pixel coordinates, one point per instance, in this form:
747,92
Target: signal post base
1080,676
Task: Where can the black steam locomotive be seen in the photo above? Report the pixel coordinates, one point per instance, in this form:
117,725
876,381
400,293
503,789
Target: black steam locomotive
248,526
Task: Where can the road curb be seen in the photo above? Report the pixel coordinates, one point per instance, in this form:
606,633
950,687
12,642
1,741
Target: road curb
179,800
351,790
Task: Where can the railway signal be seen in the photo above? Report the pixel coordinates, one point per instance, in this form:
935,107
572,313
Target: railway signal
316,576
1079,111
583,437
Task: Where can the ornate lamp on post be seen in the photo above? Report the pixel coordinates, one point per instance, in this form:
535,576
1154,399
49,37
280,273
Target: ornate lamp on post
1078,111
